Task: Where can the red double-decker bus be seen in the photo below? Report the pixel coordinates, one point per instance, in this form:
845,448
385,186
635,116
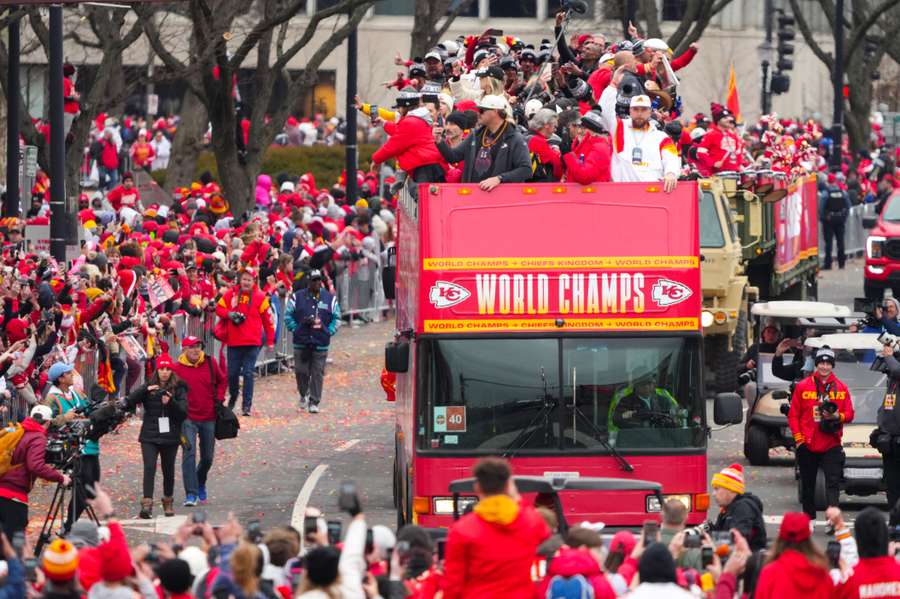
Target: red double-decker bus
559,326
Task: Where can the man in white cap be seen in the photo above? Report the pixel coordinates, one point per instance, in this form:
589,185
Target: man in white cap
25,466
641,152
495,152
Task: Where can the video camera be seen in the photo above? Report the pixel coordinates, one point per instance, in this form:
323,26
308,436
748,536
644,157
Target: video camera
867,306
885,339
65,443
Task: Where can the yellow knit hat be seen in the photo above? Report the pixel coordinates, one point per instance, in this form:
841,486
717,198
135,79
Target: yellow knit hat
731,478
60,561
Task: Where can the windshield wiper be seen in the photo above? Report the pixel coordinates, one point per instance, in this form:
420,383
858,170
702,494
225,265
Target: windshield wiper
603,440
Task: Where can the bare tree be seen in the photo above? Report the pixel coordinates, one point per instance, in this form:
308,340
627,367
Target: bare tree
866,20
431,20
696,18
212,64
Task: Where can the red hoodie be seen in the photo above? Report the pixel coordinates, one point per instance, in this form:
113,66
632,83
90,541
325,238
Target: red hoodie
411,143
804,415
792,575
568,563
872,577
28,464
491,550
719,144
592,166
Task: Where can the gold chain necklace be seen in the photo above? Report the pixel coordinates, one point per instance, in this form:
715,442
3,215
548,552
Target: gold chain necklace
495,138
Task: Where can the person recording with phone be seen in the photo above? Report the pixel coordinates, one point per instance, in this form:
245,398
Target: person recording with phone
164,399
820,407
26,465
67,406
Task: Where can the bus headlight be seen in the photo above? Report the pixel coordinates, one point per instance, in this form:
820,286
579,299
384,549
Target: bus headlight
653,505
443,506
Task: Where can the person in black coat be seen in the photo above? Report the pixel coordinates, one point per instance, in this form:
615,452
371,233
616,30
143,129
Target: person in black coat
164,399
495,152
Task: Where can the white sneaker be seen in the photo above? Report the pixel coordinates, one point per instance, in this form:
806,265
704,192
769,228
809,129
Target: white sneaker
313,409
304,401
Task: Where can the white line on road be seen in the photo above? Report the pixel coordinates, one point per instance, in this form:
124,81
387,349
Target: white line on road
305,493
346,445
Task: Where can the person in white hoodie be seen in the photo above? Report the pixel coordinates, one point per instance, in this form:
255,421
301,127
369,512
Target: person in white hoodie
330,574
656,571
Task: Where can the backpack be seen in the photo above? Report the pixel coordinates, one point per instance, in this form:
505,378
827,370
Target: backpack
9,439
572,587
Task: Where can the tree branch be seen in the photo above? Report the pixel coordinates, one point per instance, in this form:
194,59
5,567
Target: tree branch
651,16
826,58
40,30
262,27
691,14
16,15
76,37
858,34
448,20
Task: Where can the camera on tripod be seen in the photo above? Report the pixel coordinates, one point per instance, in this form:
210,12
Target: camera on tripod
65,443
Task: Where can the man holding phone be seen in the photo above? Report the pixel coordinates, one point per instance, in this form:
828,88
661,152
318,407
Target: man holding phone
490,551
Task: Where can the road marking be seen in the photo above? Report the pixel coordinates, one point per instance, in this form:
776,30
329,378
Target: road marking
347,445
777,520
305,493
160,525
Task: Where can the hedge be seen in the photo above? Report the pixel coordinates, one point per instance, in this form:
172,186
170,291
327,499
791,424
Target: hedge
324,162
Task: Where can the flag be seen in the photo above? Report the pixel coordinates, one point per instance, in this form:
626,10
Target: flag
732,102
104,370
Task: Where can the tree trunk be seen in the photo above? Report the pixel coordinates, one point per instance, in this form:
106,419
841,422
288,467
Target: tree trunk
856,118
188,142
224,120
3,138
424,22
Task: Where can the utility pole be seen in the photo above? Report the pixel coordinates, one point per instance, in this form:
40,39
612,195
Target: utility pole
630,15
350,132
837,78
766,52
58,216
13,157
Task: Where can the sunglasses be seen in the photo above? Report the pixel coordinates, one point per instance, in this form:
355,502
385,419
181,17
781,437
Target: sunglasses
483,110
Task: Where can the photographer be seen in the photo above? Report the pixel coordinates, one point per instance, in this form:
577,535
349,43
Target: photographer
313,316
886,438
887,316
245,312
165,407
820,407
67,406
26,465
794,369
738,509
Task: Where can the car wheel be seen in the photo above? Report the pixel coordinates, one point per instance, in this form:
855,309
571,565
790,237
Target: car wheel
757,445
873,292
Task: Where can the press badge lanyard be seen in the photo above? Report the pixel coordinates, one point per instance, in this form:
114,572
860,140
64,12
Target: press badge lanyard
826,393
637,153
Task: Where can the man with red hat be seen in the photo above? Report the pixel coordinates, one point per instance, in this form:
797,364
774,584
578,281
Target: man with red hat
206,381
721,149
820,407
834,208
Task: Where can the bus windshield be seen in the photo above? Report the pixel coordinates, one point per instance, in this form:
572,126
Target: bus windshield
527,396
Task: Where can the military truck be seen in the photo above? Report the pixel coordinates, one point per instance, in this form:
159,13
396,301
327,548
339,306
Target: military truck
758,242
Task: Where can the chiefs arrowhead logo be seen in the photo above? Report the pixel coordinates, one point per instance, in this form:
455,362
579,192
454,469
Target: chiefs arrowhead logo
668,293
445,294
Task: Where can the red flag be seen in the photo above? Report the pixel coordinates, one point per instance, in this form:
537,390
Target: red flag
104,371
732,102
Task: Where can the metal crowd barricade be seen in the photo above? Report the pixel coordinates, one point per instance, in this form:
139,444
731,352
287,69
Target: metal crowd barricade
361,293
854,233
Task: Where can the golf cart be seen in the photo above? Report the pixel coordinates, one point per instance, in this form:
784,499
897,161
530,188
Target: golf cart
464,499
767,395
854,354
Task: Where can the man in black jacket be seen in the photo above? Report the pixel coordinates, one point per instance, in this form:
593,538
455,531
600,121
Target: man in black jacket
495,152
738,509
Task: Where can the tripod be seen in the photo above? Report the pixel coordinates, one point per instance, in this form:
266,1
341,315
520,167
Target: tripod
77,490
543,421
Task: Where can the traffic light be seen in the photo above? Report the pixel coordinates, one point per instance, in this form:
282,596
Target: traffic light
786,35
780,83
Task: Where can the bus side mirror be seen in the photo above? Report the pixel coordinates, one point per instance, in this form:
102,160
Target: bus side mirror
396,356
869,221
728,409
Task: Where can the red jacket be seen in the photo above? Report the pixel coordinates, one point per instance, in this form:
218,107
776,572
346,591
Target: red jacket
569,562
202,391
253,305
491,550
28,464
411,143
804,417
719,144
91,559
792,575
872,577
539,147
591,166
120,196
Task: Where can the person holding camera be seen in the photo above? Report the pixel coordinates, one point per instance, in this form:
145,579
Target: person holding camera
820,407
25,466
245,311
886,437
164,399
206,383
738,509
313,315
68,405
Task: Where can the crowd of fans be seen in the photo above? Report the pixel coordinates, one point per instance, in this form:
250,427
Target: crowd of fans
506,546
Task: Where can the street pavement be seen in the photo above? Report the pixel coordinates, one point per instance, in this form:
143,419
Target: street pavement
285,459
